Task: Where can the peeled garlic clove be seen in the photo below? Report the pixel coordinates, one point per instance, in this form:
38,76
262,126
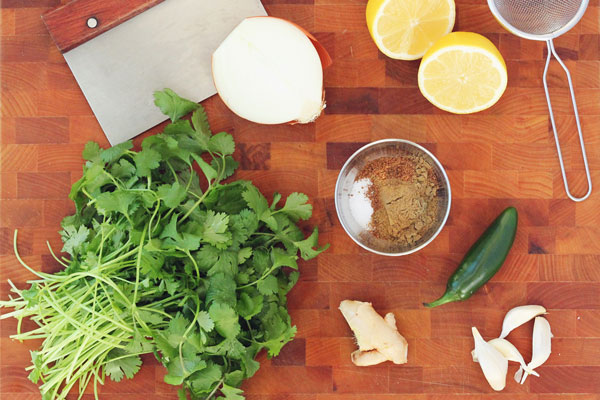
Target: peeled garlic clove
542,342
492,362
510,352
518,316
507,349
542,345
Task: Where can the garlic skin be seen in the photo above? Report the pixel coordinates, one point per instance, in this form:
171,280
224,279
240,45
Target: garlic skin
518,316
542,345
492,362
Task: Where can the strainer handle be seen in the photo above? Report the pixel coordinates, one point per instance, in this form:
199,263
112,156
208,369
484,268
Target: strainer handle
552,52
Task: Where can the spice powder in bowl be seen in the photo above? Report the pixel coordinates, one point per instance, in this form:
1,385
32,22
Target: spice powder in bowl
395,199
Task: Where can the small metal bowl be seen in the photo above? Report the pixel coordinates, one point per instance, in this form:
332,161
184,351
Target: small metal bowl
345,181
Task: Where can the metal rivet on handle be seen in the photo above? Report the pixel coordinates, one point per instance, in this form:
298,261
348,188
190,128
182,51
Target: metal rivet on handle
92,22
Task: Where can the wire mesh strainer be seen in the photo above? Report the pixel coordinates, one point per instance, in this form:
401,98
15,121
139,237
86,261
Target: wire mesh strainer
545,20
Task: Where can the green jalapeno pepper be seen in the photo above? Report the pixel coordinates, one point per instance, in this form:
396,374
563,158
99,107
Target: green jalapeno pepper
483,259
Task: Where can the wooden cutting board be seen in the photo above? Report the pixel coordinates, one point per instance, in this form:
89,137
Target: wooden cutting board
499,157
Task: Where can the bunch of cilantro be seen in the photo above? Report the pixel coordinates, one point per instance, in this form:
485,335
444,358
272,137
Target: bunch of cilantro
195,272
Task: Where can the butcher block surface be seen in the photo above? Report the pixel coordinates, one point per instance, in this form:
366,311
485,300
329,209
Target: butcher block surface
503,156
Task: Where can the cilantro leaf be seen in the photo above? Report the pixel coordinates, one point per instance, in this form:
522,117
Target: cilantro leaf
210,173
112,154
232,393
145,161
91,151
268,286
172,105
177,328
121,363
221,289
215,229
222,143
119,200
276,198
226,166
228,198
296,206
123,169
283,259
248,306
207,256
200,121
204,382
309,247
226,264
172,195
255,200
275,345
234,378
226,320
244,254
73,238
205,322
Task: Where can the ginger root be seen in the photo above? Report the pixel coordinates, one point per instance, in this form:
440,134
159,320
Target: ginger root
378,338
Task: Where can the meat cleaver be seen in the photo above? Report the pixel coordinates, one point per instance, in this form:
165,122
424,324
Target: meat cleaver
121,51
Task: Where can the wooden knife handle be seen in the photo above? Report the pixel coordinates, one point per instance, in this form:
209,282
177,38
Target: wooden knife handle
81,20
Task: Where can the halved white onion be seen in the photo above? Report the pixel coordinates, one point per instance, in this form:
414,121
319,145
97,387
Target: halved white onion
269,71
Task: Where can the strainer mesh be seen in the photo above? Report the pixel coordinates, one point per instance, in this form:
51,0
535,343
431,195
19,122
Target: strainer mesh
538,17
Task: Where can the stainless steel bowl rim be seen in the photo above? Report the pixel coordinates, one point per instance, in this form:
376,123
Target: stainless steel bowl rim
437,162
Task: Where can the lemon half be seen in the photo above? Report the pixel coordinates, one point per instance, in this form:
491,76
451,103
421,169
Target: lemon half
463,73
406,29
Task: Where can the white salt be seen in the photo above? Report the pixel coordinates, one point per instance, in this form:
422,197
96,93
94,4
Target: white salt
360,205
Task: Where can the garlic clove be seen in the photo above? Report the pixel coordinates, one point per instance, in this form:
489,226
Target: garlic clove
508,351
518,316
542,342
542,345
492,362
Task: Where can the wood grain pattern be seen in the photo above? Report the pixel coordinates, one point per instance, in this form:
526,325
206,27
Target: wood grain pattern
496,158
68,24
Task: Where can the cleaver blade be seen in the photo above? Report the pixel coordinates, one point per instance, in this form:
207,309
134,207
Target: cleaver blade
164,45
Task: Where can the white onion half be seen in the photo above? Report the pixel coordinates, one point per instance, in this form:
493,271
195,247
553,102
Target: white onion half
269,71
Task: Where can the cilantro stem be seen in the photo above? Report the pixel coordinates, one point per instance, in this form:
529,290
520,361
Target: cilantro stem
54,255
184,337
215,389
172,171
137,274
263,277
196,204
187,252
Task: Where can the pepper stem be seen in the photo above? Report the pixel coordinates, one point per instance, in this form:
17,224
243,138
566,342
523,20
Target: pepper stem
448,297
